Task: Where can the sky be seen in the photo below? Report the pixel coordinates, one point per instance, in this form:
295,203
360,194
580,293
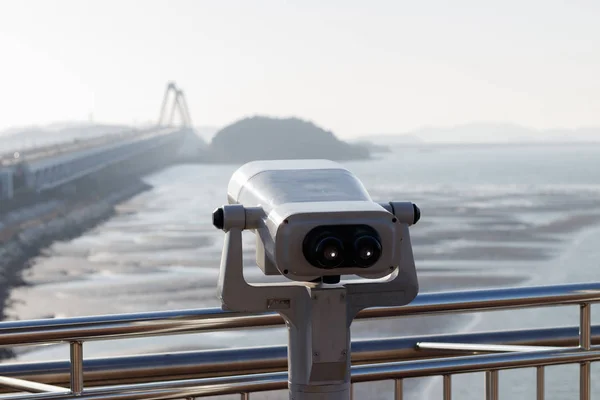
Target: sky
353,67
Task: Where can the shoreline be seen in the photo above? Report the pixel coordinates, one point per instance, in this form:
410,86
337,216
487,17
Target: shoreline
62,223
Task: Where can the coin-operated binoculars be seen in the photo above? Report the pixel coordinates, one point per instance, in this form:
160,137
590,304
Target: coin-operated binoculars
315,223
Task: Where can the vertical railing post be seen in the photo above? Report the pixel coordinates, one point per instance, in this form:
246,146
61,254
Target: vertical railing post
585,343
539,377
447,387
398,390
76,367
491,385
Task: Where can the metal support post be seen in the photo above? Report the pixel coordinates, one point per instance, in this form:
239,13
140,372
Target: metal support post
319,347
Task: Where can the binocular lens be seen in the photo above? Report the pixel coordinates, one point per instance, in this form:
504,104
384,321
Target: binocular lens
367,250
329,252
342,246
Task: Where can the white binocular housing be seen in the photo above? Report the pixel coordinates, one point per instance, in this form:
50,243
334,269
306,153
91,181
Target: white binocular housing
314,219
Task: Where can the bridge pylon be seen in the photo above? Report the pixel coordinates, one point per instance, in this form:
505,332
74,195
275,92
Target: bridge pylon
178,103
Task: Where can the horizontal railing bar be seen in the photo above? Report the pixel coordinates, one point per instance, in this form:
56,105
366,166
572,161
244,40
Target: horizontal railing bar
15,333
176,389
131,325
480,348
491,299
471,364
29,386
362,373
207,363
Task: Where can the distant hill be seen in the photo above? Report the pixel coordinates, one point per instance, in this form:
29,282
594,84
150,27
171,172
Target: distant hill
264,138
488,133
476,132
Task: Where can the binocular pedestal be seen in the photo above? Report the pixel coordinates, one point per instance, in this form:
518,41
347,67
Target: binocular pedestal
319,345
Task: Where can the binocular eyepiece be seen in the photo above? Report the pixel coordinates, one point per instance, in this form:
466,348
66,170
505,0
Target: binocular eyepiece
342,246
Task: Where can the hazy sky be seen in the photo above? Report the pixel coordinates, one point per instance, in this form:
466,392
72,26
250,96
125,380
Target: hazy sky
354,67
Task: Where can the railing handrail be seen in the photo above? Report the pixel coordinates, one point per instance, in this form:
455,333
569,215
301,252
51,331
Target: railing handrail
105,327
254,360
433,361
362,373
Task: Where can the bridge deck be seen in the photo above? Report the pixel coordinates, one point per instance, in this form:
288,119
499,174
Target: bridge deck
42,152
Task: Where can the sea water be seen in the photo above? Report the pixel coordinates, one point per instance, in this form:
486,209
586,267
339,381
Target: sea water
492,216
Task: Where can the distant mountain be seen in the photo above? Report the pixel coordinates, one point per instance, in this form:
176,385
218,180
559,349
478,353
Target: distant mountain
488,133
264,138
591,134
476,132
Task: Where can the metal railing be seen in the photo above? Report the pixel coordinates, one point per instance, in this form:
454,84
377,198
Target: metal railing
244,371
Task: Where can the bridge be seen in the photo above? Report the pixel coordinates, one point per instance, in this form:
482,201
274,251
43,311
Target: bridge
27,173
